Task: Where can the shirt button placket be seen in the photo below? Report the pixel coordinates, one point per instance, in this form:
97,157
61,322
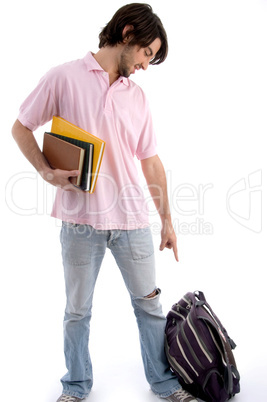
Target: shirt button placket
108,107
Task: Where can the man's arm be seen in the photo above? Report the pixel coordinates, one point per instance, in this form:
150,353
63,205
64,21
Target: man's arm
29,147
156,180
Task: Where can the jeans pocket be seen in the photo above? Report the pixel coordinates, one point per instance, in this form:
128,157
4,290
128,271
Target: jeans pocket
76,244
140,243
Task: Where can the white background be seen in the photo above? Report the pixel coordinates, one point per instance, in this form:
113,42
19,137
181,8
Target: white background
209,106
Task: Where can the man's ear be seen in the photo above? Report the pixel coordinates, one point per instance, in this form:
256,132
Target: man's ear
126,33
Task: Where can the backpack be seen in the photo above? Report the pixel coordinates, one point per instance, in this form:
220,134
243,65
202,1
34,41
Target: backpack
199,350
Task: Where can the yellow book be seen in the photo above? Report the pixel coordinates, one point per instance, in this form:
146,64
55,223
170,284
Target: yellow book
64,127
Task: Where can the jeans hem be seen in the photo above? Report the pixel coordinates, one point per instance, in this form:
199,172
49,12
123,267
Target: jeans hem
167,393
76,394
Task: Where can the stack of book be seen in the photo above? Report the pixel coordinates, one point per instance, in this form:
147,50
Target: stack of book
69,147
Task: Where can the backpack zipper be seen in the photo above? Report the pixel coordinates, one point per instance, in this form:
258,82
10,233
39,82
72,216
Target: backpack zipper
190,348
176,366
179,315
199,340
218,347
184,355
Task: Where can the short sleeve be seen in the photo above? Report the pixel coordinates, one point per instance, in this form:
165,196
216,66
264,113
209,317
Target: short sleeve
147,144
40,106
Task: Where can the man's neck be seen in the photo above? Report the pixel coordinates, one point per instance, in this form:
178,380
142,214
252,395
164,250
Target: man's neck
108,58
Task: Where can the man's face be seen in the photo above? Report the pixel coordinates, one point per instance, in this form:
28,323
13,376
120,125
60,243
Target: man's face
134,58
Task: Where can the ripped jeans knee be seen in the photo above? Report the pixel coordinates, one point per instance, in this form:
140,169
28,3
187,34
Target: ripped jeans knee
153,294
149,304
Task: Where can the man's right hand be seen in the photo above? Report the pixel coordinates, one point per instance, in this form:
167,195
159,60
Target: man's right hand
61,178
29,147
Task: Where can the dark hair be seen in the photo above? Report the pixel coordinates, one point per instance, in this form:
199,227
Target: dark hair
146,28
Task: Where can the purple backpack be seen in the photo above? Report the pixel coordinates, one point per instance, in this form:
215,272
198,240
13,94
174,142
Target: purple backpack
199,350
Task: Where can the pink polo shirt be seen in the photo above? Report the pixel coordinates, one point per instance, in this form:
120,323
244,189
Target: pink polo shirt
79,92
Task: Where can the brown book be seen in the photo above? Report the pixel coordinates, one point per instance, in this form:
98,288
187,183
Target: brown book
63,155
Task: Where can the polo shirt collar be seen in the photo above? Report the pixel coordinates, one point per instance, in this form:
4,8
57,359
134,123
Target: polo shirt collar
92,65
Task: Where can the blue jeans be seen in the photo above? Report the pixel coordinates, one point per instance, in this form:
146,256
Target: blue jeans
83,249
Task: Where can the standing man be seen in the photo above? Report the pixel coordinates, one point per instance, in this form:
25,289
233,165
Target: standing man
95,93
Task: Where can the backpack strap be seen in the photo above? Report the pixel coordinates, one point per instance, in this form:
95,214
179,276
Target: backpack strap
200,295
227,343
